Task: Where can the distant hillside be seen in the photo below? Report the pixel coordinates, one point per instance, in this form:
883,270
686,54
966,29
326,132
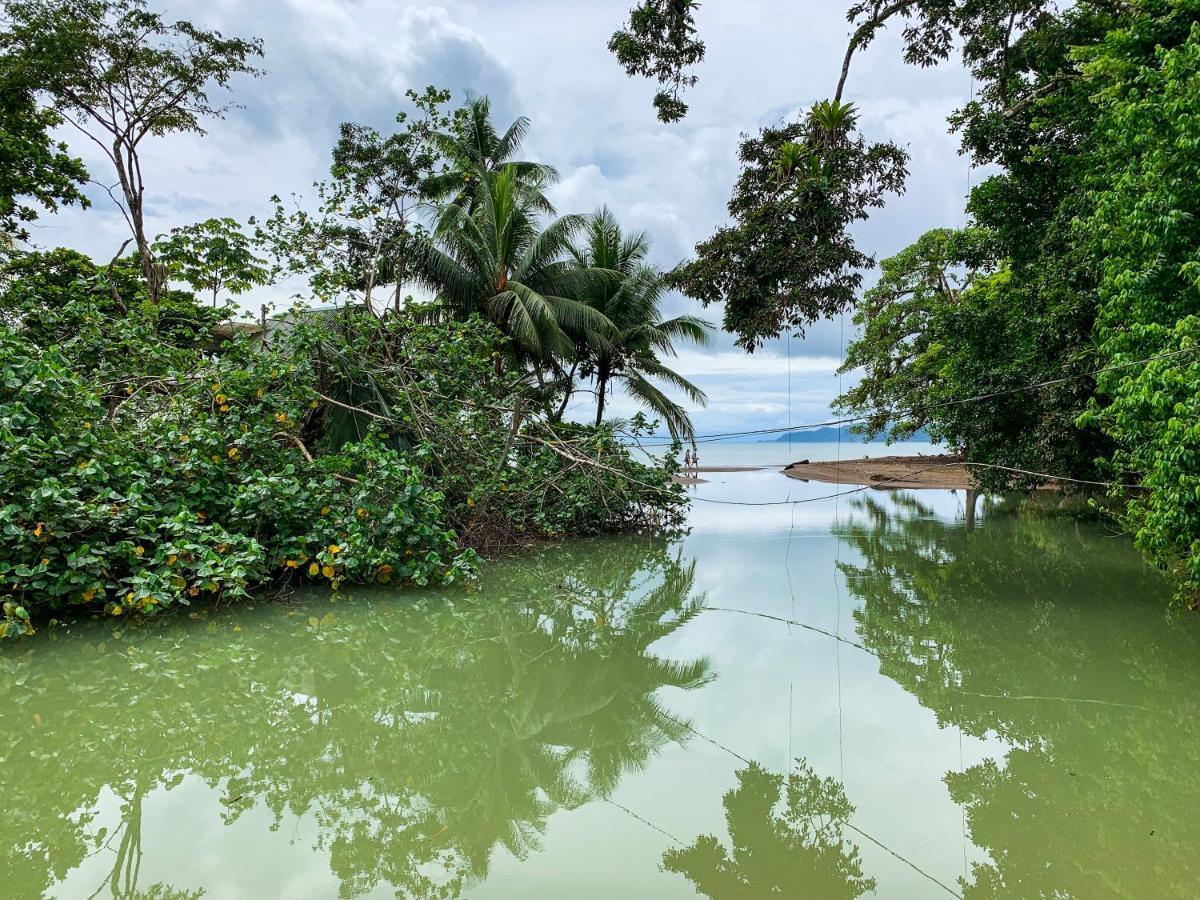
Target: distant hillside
829,435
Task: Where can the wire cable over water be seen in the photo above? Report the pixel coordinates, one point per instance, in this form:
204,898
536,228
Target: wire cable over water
926,407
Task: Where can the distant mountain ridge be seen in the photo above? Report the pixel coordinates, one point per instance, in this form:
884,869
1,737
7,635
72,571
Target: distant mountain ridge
830,435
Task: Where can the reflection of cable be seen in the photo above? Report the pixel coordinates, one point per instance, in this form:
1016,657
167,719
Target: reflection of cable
868,650
845,822
705,737
909,863
961,772
644,821
837,559
747,612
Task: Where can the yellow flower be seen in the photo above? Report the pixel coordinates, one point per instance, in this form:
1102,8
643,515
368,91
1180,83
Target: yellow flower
45,560
89,595
37,532
183,438
220,398
324,510
470,501
117,610
259,393
292,564
224,407
234,452
215,458
314,569
327,571
87,425
139,549
334,549
361,513
313,405
281,417
201,515
171,559
216,387
129,597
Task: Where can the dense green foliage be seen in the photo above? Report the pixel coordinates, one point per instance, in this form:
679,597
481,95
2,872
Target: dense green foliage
1031,341
1076,278
1144,233
121,73
155,451
789,258
35,170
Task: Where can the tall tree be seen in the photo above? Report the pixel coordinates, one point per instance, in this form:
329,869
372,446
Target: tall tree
659,41
371,208
474,149
121,73
1143,237
35,169
789,258
629,293
492,256
213,256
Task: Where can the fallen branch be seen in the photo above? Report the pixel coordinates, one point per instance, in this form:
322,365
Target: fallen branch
291,438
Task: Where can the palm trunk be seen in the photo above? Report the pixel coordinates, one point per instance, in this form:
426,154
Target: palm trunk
602,377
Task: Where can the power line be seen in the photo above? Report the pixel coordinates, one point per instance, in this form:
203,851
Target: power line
899,479
849,420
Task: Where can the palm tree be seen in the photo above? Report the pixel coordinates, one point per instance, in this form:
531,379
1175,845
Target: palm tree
493,257
475,149
629,294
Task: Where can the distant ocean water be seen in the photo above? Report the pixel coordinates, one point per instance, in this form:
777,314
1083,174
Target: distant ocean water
777,455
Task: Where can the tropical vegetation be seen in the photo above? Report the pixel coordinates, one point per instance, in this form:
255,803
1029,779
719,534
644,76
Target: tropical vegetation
1054,335
157,451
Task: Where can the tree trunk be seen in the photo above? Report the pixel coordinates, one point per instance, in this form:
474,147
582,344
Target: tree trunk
129,176
567,392
601,389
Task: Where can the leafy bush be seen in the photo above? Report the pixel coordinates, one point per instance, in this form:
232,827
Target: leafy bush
197,484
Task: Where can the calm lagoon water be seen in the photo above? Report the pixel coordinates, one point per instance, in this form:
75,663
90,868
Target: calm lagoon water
778,455
840,697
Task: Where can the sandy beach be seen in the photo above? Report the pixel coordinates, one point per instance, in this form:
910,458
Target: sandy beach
888,472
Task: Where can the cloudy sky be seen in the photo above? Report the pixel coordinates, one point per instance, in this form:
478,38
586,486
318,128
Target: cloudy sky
330,61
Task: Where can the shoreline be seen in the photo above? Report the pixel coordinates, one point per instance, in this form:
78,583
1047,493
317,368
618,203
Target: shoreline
941,472
692,476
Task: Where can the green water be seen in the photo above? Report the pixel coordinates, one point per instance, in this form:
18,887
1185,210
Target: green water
928,711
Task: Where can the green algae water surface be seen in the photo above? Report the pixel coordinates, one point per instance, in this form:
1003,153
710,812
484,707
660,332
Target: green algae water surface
847,696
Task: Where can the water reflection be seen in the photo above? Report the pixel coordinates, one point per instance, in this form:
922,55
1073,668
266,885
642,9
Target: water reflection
427,745
786,840
418,736
1039,631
